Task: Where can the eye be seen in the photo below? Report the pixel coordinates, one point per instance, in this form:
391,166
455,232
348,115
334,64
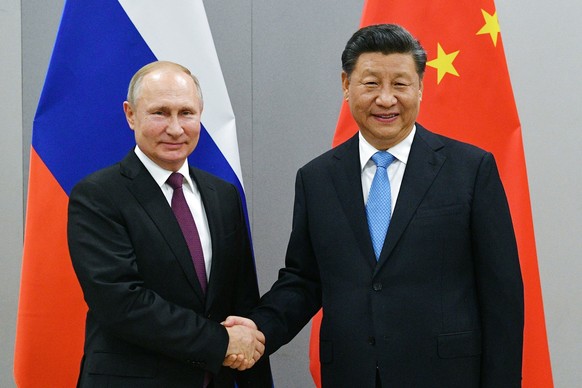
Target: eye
401,84
187,113
371,84
400,87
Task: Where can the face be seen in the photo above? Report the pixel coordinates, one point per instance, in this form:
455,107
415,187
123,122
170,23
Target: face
166,117
384,94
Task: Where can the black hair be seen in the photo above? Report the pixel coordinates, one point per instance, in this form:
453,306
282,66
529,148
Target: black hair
386,39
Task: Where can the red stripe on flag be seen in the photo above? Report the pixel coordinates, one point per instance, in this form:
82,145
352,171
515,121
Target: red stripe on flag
51,311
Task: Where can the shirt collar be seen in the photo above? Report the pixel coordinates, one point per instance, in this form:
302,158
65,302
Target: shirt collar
400,151
159,174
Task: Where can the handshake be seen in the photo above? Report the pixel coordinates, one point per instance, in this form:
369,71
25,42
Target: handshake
246,344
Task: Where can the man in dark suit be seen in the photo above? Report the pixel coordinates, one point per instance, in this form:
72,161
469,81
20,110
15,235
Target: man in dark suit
155,302
437,299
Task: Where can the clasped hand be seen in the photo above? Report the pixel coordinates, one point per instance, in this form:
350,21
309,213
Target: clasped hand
246,344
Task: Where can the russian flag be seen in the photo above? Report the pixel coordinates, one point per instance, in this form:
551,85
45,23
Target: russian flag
80,127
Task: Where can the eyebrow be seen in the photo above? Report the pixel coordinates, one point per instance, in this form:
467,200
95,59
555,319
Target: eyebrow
166,107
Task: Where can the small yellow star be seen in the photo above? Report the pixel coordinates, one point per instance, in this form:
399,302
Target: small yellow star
491,26
444,63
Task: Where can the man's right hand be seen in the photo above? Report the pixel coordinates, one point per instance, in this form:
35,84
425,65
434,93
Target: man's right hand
246,344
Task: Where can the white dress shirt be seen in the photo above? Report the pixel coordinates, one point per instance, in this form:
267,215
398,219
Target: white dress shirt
395,171
193,199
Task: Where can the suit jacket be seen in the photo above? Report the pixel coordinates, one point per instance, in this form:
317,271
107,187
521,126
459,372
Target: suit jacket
443,306
149,323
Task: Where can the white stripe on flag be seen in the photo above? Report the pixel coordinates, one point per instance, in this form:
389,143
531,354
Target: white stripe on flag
178,31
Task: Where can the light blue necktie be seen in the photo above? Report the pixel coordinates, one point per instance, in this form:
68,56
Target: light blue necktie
379,205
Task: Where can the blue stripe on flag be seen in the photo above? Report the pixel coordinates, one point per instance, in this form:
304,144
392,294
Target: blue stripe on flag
207,156
79,125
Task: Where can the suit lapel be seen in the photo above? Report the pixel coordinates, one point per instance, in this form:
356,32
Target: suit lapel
346,174
424,163
150,197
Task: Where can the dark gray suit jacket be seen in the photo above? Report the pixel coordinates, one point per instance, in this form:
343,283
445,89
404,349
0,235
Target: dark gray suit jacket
149,324
443,307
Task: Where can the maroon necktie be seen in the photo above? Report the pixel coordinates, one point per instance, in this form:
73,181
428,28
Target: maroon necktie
188,226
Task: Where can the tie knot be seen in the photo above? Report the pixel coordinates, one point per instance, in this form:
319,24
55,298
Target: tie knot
383,158
175,180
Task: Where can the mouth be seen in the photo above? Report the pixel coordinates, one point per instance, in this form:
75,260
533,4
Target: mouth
386,116
172,145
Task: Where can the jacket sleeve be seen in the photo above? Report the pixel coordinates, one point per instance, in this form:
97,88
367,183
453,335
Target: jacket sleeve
296,295
499,282
246,297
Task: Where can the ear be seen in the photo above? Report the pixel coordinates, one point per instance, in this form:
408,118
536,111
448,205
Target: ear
129,114
420,89
346,85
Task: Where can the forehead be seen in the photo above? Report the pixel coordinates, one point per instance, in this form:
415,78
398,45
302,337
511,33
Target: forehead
167,79
167,85
377,62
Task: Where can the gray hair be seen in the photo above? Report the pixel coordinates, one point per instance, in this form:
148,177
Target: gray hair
136,81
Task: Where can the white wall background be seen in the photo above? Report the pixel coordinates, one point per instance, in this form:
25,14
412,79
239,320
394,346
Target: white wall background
11,186
281,62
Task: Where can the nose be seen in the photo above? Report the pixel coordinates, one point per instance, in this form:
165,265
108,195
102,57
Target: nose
174,127
386,97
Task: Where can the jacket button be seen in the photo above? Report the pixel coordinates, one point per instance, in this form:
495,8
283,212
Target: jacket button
372,340
377,286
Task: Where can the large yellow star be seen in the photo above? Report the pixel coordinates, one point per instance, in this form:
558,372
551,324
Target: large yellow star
444,63
491,26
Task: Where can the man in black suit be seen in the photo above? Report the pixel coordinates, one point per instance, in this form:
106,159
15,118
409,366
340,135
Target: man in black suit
437,299
155,303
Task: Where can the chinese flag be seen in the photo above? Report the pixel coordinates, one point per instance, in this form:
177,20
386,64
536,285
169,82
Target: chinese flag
467,96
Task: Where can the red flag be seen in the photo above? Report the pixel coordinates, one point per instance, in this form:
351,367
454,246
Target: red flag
51,312
468,96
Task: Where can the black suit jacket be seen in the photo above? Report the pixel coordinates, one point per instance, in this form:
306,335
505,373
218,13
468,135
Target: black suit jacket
148,323
443,306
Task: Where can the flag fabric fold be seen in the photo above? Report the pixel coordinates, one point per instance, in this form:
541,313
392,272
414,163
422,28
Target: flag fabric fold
79,127
468,96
